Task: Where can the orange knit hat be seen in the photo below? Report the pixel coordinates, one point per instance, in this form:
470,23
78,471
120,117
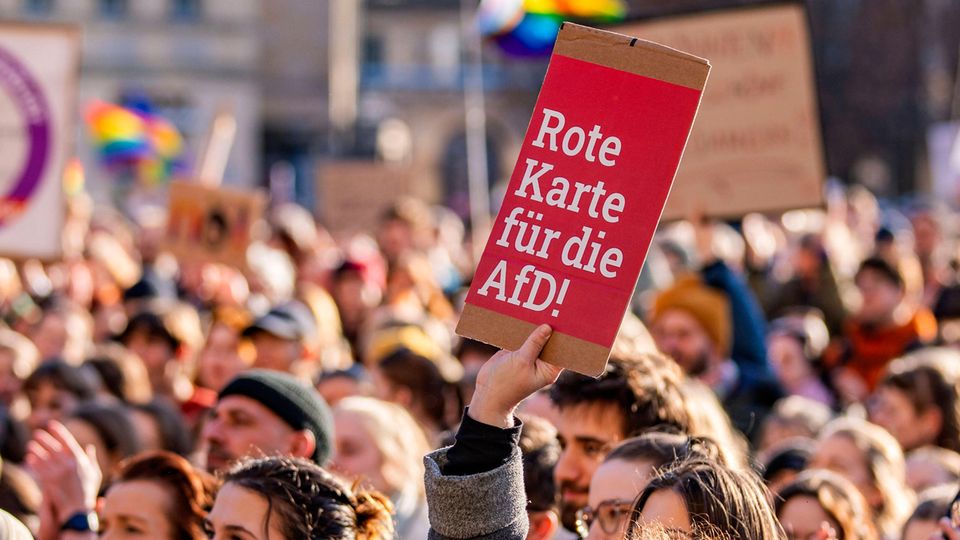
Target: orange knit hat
710,307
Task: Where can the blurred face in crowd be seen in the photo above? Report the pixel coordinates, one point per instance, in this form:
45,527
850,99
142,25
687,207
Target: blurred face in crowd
333,389
802,517
839,454
86,435
926,235
241,513
921,529
239,427
806,263
108,321
155,351
223,357
148,430
788,360
615,485
357,455
587,433
892,409
50,336
136,509
10,383
275,353
395,237
48,402
354,297
679,335
880,297
924,473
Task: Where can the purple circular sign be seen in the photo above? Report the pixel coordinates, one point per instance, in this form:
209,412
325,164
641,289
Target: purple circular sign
28,98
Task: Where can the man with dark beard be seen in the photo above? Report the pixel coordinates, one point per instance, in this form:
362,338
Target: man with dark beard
711,325
637,392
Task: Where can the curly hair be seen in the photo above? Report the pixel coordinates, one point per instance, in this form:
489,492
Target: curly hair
311,503
192,489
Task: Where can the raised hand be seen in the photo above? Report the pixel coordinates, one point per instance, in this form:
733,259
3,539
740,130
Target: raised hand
67,474
509,377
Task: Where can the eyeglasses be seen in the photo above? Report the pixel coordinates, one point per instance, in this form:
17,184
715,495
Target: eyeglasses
609,513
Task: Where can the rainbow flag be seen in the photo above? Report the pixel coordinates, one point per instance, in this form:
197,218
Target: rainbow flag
528,28
129,140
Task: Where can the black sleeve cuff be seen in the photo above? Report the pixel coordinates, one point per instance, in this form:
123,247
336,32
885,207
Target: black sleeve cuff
480,447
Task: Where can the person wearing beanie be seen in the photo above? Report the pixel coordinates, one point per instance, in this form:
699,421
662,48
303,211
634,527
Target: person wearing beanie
712,326
691,303
269,413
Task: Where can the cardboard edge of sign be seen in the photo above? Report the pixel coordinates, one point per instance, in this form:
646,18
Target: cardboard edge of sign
616,51
509,333
633,55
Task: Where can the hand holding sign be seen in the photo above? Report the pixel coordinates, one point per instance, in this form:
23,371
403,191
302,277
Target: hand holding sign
509,377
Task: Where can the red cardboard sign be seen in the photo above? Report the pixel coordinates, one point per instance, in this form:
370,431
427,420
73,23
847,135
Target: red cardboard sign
585,198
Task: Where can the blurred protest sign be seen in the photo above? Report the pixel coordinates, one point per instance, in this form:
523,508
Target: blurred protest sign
39,65
757,145
943,154
210,224
585,198
354,194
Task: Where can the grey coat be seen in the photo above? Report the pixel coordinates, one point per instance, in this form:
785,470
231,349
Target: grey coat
486,506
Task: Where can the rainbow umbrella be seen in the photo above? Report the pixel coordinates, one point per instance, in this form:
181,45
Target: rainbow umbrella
528,28
132,141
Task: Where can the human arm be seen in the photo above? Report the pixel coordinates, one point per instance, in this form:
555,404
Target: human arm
748,347
475,488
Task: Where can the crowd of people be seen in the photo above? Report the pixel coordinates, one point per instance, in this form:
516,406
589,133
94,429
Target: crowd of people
793,376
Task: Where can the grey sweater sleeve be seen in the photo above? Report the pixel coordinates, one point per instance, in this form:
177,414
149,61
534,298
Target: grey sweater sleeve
486,506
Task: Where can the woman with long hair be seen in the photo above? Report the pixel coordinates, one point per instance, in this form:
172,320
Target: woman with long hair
294,499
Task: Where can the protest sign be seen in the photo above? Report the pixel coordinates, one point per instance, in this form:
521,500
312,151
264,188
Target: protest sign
208,224
757,144
584,200
38,71
943,155
354,194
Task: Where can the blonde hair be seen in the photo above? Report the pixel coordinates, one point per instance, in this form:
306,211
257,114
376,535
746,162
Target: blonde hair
26,357
708,419
397,436
885,461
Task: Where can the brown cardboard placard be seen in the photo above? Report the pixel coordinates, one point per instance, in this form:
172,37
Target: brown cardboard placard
757,145
353,194
584,200
209,224
39,65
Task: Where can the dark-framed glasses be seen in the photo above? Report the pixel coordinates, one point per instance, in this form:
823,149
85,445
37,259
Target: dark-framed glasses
609,513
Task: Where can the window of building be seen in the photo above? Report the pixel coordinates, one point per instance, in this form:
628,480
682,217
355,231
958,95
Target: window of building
38,7
113,9
186,10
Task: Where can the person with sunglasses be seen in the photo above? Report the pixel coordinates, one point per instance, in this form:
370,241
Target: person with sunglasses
625,472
